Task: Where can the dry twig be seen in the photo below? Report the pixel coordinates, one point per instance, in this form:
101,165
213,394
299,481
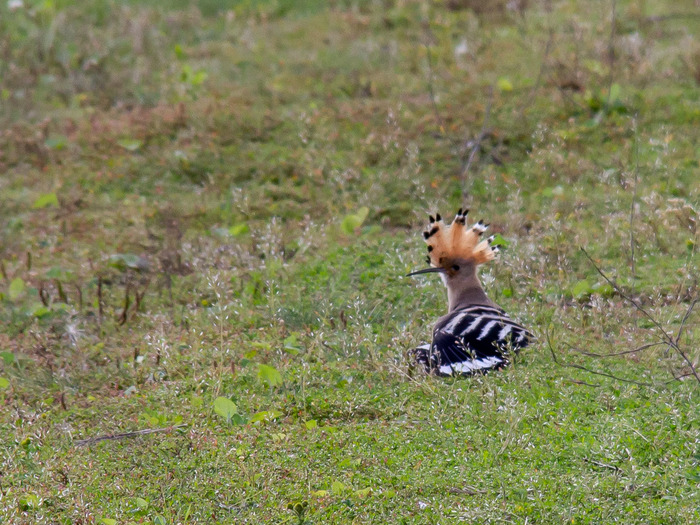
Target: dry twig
594,372
602,465
634,197
611,51
476,144
124,435
668,339
431,94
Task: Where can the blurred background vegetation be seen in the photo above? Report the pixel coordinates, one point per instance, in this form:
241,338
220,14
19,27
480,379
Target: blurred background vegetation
210,201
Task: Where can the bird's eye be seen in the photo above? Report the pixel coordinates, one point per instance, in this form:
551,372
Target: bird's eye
455,267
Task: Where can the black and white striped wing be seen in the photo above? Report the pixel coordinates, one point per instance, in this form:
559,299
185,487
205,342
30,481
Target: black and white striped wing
473,339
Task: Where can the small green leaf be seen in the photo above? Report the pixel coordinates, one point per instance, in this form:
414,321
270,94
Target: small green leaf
499,240
238,229
320,493
363,492
337,487
581,289
225,408
108,521
47,199
265,415
56,272
141,503
130,144
56,142
238,419
615,92
269,375
311,423
221,232
179,53
16,288
353,221
291,346
41,311
604,289
198,78
4,383
299,508
504,84
7,357
124,261
28,502
159,520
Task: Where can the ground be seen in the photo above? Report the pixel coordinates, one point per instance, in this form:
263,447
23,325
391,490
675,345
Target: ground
207,216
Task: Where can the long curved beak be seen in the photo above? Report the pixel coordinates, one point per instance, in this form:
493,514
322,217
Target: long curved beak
427,270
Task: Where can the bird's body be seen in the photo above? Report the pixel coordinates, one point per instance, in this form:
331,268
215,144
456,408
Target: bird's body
476,335
473,339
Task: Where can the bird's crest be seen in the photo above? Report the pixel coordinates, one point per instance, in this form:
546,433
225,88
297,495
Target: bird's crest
457,241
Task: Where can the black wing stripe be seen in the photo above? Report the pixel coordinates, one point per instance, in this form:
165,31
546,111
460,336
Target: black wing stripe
473,340
484,310
463,324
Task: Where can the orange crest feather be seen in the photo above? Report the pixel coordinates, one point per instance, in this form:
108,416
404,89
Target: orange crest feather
457,241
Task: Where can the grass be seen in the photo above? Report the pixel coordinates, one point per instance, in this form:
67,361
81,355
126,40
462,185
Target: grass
201,204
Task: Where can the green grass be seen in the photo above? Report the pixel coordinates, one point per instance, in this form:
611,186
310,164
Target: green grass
254,178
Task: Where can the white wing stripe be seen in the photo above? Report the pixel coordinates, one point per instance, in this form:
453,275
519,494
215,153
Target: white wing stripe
504,332
472,326
485,331
469,366
453,324
484,310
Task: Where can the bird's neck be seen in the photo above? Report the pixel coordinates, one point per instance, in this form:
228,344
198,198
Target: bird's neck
466,292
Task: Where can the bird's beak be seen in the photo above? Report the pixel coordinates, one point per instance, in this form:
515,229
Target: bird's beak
427,270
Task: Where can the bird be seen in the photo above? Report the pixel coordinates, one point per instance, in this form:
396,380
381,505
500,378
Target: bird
476,335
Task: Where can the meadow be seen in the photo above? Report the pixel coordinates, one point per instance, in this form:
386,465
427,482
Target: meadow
207,212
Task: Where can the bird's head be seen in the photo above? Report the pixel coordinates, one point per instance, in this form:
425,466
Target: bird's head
455,250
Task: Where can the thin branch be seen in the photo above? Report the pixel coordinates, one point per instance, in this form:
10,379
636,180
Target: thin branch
540,74
671,16
603,465
671,342
579,382
476,143
594,372
100,308
614,354
634,197
124,435
329,347
467,490
611,51
685,318
80,297
678,378
431,94
127,303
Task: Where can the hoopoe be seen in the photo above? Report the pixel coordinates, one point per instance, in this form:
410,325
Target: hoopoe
476,335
